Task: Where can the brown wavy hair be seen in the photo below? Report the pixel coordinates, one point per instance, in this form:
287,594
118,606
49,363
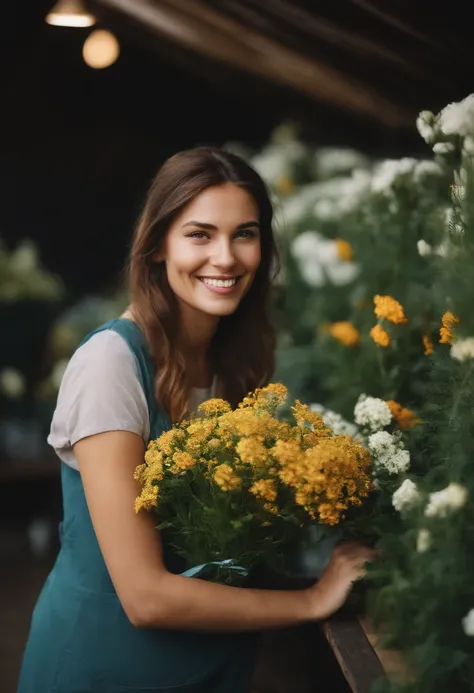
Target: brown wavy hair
242,350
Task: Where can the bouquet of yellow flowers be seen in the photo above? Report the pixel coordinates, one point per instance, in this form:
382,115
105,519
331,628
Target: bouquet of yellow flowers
237,488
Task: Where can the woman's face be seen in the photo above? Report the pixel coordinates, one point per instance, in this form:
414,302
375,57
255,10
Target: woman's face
212,250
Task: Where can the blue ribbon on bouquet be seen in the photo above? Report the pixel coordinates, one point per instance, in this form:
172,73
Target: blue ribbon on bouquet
229,563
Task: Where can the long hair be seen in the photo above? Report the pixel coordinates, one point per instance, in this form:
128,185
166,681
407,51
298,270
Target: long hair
242,350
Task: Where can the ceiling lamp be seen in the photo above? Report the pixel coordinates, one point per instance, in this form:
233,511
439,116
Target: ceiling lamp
101,49
70,13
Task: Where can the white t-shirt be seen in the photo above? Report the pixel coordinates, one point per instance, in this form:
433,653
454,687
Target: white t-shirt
100,391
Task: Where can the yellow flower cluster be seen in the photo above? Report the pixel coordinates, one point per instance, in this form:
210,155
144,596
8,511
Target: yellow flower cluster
344,250
448,321
380,336
428,344
403,417
226,478
387,308
327,478
276,467
344,332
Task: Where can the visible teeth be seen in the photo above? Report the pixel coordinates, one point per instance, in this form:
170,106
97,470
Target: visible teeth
219,282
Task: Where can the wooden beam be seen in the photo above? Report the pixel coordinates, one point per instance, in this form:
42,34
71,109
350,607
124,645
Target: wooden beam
357,646
359,663
199,27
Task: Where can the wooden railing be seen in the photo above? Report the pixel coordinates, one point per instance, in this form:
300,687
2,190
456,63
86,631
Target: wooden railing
358,649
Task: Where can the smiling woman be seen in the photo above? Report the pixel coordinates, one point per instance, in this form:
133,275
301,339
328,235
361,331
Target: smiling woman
221,257
201,270
117,613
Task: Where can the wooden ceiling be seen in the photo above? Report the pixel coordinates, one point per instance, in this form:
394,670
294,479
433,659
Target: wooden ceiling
379,60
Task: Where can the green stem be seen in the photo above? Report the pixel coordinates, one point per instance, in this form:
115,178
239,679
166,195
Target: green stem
459,394
380,360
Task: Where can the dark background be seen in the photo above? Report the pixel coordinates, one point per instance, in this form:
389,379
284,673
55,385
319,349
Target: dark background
78,148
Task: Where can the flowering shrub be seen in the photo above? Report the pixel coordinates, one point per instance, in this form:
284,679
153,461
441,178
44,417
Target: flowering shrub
242,484
399,327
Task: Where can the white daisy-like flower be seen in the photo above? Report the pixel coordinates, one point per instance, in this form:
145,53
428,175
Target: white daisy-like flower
424,168
388,453
424,248
443,147
423,542
388,171
424,125
458,118
468,145
335,421
405,496
12,383
463,349
468,623
372,413
443,502
318,260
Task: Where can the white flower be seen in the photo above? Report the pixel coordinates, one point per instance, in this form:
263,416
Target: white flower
12,383
372,413
342,273
468,145
426,168
307,244
424,248
463,349
458,118
335,421
443,147
380,441
405,496
331,161
312,273
318,260
468,623
388,453
423,542
441,503
277,160
443,249
387,172
423,125
340,196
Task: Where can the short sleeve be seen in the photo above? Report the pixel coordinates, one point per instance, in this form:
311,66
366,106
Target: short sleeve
100,391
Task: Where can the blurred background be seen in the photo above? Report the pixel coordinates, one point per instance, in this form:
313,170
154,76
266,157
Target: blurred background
95,97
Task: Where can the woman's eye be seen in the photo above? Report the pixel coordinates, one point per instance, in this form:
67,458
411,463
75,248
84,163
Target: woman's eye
197,234
246,234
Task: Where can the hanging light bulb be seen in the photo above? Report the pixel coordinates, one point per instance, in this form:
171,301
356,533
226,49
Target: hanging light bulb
101,49
70,13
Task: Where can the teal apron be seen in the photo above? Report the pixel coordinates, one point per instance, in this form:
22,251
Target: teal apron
81,640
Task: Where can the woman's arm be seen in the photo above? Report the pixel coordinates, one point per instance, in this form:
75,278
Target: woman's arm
153,597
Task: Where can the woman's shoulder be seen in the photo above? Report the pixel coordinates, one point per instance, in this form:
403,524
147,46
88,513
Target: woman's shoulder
104,357
105,345
100,391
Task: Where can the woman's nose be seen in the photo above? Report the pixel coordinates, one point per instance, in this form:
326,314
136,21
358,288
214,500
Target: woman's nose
223,256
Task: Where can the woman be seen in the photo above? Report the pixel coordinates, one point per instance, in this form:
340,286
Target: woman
115,613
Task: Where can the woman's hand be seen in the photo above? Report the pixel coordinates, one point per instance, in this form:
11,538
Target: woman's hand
347,564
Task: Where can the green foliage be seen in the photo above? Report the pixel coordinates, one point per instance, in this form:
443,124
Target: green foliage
410,225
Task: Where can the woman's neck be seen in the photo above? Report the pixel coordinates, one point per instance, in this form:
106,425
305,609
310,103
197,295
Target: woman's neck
194,342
